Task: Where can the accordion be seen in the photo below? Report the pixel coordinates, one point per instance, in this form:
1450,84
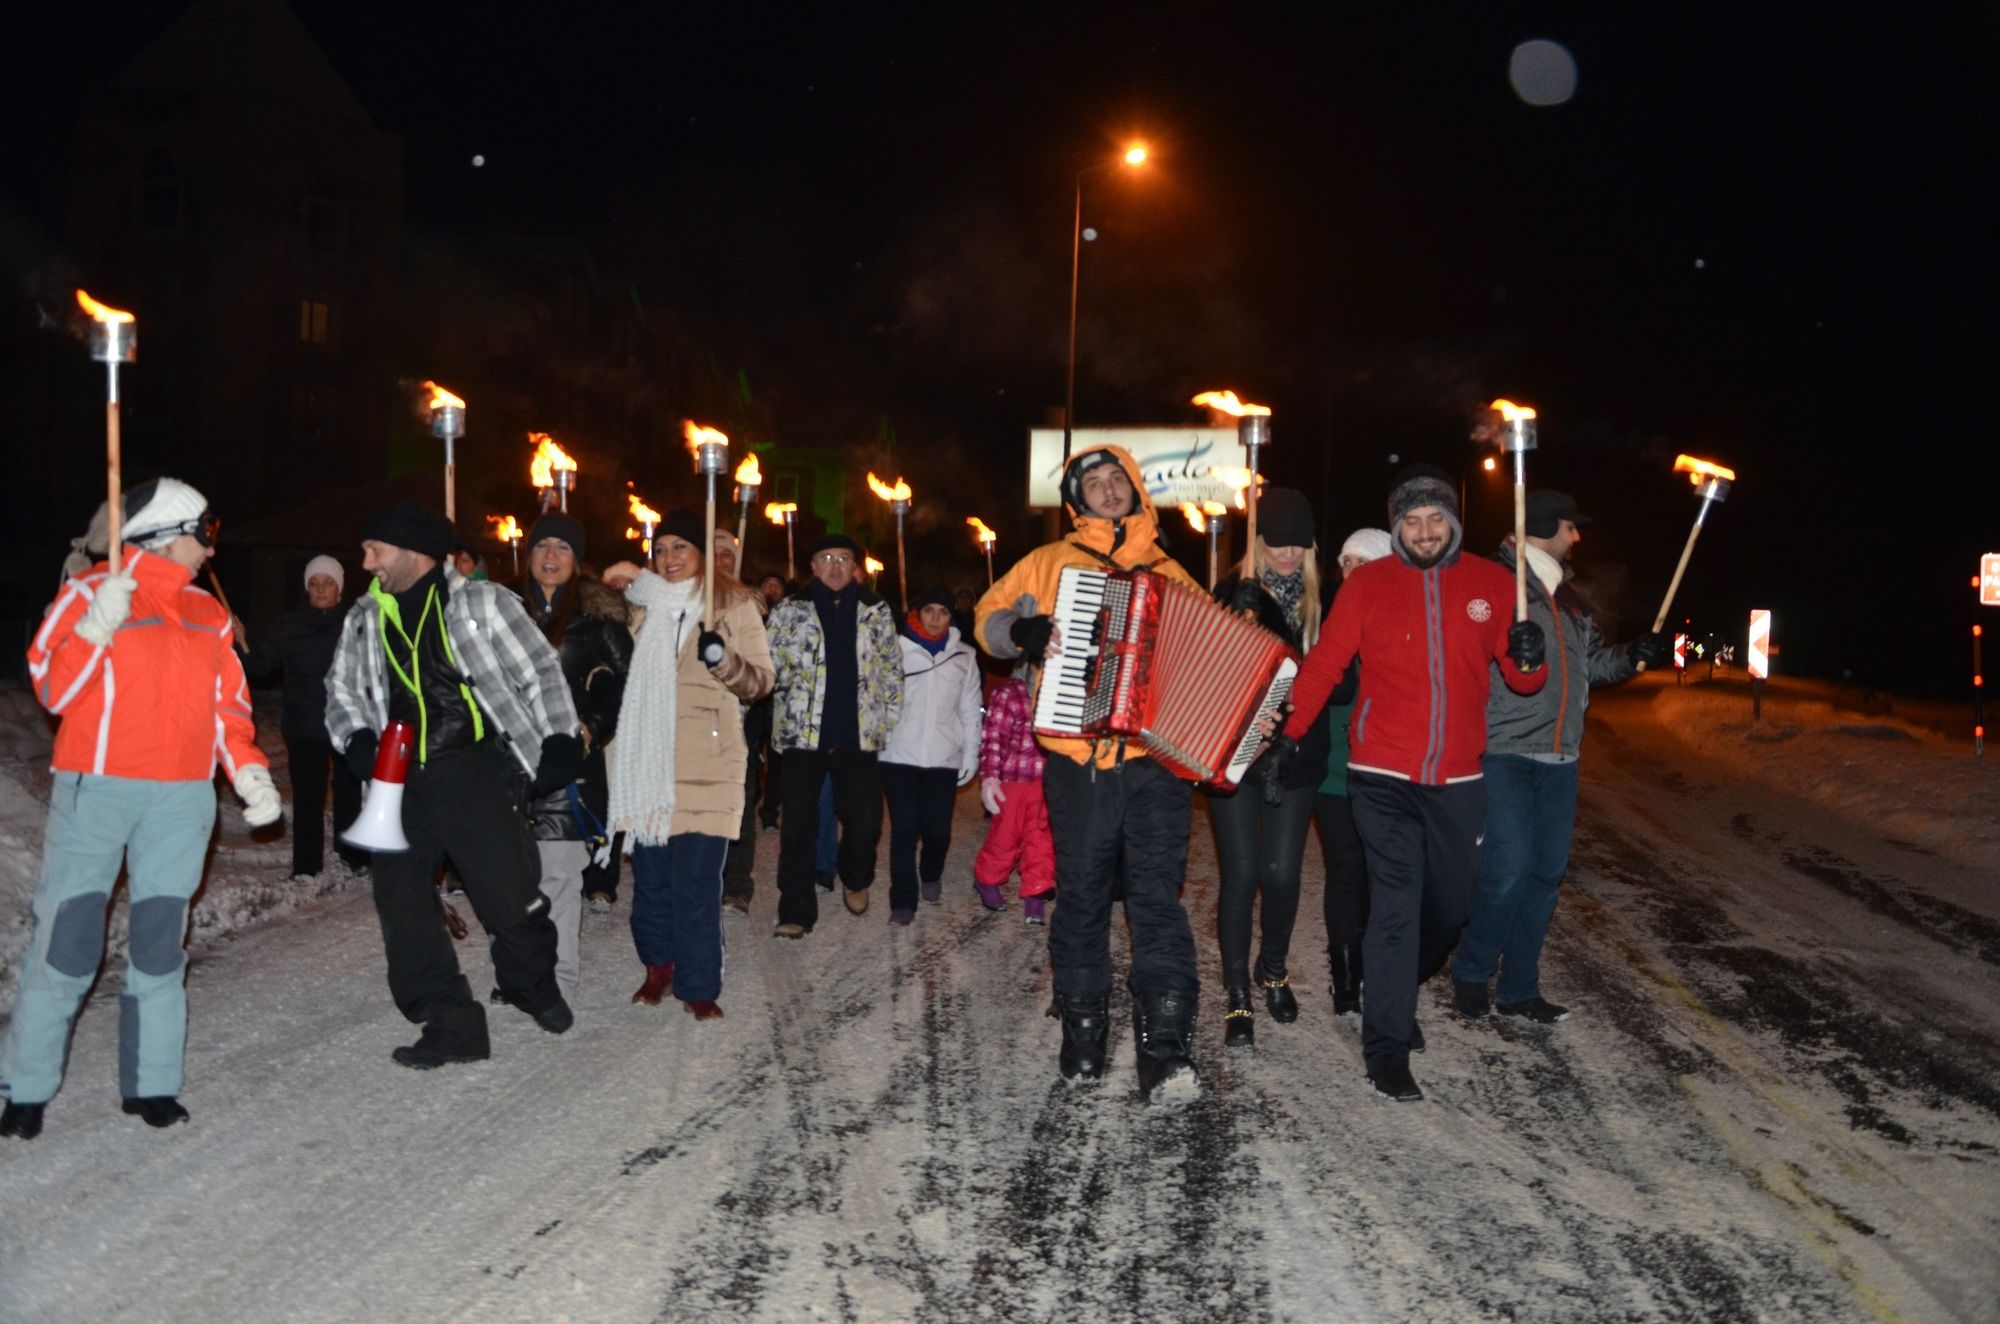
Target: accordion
1146,657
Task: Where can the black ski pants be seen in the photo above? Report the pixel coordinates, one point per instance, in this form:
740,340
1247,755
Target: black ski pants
857,803
1422,844
309,758
1260,848
466,803
1093,813
920,805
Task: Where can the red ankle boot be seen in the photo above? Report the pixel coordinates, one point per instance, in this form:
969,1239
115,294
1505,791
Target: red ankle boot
659,978
702,1011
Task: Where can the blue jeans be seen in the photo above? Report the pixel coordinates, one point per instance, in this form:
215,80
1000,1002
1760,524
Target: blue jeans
1530,817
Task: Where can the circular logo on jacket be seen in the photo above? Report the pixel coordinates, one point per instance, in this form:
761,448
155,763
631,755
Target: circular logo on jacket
1479,609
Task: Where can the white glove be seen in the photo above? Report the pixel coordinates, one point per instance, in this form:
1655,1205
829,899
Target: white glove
966,774
261,806
990,794
108,609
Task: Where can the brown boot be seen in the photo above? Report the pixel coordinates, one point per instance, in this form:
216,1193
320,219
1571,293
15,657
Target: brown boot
659,978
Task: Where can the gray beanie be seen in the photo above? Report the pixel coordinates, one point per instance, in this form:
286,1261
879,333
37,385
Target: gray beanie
1422,485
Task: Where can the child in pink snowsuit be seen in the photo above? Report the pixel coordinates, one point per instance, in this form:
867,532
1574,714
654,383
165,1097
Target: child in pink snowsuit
1010,786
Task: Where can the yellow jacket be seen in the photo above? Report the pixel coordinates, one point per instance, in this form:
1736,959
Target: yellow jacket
1029,589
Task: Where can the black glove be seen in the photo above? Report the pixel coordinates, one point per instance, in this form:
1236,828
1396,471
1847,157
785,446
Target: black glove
1277,762
1648,650
1526,645
710,648
1031,635
562,763
1244,599
360,755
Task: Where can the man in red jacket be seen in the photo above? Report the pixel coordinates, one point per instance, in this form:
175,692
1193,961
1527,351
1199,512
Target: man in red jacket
1425,623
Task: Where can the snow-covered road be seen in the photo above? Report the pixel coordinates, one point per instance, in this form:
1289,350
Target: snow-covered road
1779,1099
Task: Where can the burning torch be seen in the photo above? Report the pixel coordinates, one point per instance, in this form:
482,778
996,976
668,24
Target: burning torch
646,516
1207,518
1711,484
872,568
447,425
1253,430
785,513
552,472
898,498
1517,438
985,537
748,479
710,449
509,532
114,339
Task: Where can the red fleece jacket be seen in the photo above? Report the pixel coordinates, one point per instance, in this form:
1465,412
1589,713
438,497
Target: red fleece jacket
1425,638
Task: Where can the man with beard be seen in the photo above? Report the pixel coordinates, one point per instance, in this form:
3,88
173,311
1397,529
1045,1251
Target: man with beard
1426,624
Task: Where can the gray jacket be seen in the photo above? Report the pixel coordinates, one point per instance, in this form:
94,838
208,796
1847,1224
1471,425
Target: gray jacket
1550,721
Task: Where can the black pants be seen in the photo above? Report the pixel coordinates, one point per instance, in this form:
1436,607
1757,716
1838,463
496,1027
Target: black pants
1260,849
309,758
737,883
1346,901
466,803
1143,809
857,803
920,805
601,879
1423,859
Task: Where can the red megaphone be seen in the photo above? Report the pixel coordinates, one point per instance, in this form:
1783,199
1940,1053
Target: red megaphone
380,826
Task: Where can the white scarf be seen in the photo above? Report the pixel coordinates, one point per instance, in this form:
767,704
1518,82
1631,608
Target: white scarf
1545,568
642,757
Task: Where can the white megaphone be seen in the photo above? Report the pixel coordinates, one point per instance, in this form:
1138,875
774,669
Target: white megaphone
380,827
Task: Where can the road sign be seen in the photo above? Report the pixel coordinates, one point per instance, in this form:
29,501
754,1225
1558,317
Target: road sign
1760,644
1989,580
1680,652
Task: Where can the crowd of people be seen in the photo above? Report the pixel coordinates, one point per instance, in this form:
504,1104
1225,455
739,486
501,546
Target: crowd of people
579,720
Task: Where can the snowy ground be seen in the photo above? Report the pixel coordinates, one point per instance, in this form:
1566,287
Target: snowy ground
1779,1099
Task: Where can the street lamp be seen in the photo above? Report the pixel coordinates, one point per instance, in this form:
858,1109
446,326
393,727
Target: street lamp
1134,157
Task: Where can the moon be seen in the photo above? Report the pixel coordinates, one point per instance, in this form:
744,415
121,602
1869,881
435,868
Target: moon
1542,72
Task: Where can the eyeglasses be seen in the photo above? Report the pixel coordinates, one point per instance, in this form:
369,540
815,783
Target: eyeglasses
833,558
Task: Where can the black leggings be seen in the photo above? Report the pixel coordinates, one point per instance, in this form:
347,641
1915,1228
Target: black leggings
1260,848
1346,872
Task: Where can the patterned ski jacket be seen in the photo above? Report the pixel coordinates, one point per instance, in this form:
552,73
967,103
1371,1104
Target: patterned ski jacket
515,675
166,701
798,651
1007,748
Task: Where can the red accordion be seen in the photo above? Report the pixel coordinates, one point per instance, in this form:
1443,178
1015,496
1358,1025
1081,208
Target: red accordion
1147,657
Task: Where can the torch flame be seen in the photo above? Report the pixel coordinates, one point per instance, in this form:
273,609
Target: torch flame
441,398
747,473
1510,412
102,312
980,532
642,512
775,511
1194,517
1697,470
1227,403
504,527
900,492
698,436
872,566
548,458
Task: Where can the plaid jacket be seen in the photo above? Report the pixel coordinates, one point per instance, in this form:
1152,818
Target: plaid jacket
1007,748
515,674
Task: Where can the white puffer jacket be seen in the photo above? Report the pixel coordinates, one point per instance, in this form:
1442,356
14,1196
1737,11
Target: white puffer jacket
939,725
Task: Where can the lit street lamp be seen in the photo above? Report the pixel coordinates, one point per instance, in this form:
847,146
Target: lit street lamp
1132,158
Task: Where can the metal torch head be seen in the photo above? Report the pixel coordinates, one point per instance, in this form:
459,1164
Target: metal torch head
114,341
565,480
1254,431
1517,435
447,422
899,508
1714,489
712,457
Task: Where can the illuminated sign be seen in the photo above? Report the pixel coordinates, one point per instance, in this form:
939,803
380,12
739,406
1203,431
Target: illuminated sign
1175,461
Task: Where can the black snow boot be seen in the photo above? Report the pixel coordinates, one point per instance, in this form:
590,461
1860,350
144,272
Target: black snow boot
1163,1025
454,1034
1393,1080
1086,1032
23,1121
1470,997
161,1110
1345,965
1239,1026
1278,996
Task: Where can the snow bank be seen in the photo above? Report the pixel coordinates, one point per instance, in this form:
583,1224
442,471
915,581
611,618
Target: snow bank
1880,762
246,879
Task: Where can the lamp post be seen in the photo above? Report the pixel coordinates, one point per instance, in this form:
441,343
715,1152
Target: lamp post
1133,157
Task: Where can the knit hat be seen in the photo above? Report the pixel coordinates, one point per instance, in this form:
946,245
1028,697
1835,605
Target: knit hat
833,542
724,538
160,511
1547,511
687,524
1423,485
326,565
409,526
1072,480
1368,544
937,595
556,524
1285,518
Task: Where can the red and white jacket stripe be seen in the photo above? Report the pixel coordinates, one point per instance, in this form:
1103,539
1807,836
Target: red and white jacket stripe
166,701
1425,638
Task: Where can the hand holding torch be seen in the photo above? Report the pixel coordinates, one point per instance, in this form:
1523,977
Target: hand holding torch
1711,484
1517,438
114,339
710,449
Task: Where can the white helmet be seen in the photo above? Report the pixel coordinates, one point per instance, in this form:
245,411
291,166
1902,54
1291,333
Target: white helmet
162,510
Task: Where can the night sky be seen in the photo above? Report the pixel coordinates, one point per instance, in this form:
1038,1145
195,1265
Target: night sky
1751,234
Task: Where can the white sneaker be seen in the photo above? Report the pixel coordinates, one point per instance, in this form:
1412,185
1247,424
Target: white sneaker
600,904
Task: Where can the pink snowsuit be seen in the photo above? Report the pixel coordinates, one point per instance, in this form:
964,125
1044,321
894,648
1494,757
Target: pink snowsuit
1019,833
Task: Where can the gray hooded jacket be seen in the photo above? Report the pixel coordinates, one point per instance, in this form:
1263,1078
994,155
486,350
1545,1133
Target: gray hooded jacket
1550,721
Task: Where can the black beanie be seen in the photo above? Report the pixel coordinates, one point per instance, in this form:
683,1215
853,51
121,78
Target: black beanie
411,527
1072,480
1422,485
555,524
937,595
1285,518
687,524
829,542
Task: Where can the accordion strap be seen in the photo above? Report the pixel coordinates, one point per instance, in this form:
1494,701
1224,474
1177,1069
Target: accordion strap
1110,564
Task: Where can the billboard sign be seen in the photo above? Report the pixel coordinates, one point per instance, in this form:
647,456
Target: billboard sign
1175,461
